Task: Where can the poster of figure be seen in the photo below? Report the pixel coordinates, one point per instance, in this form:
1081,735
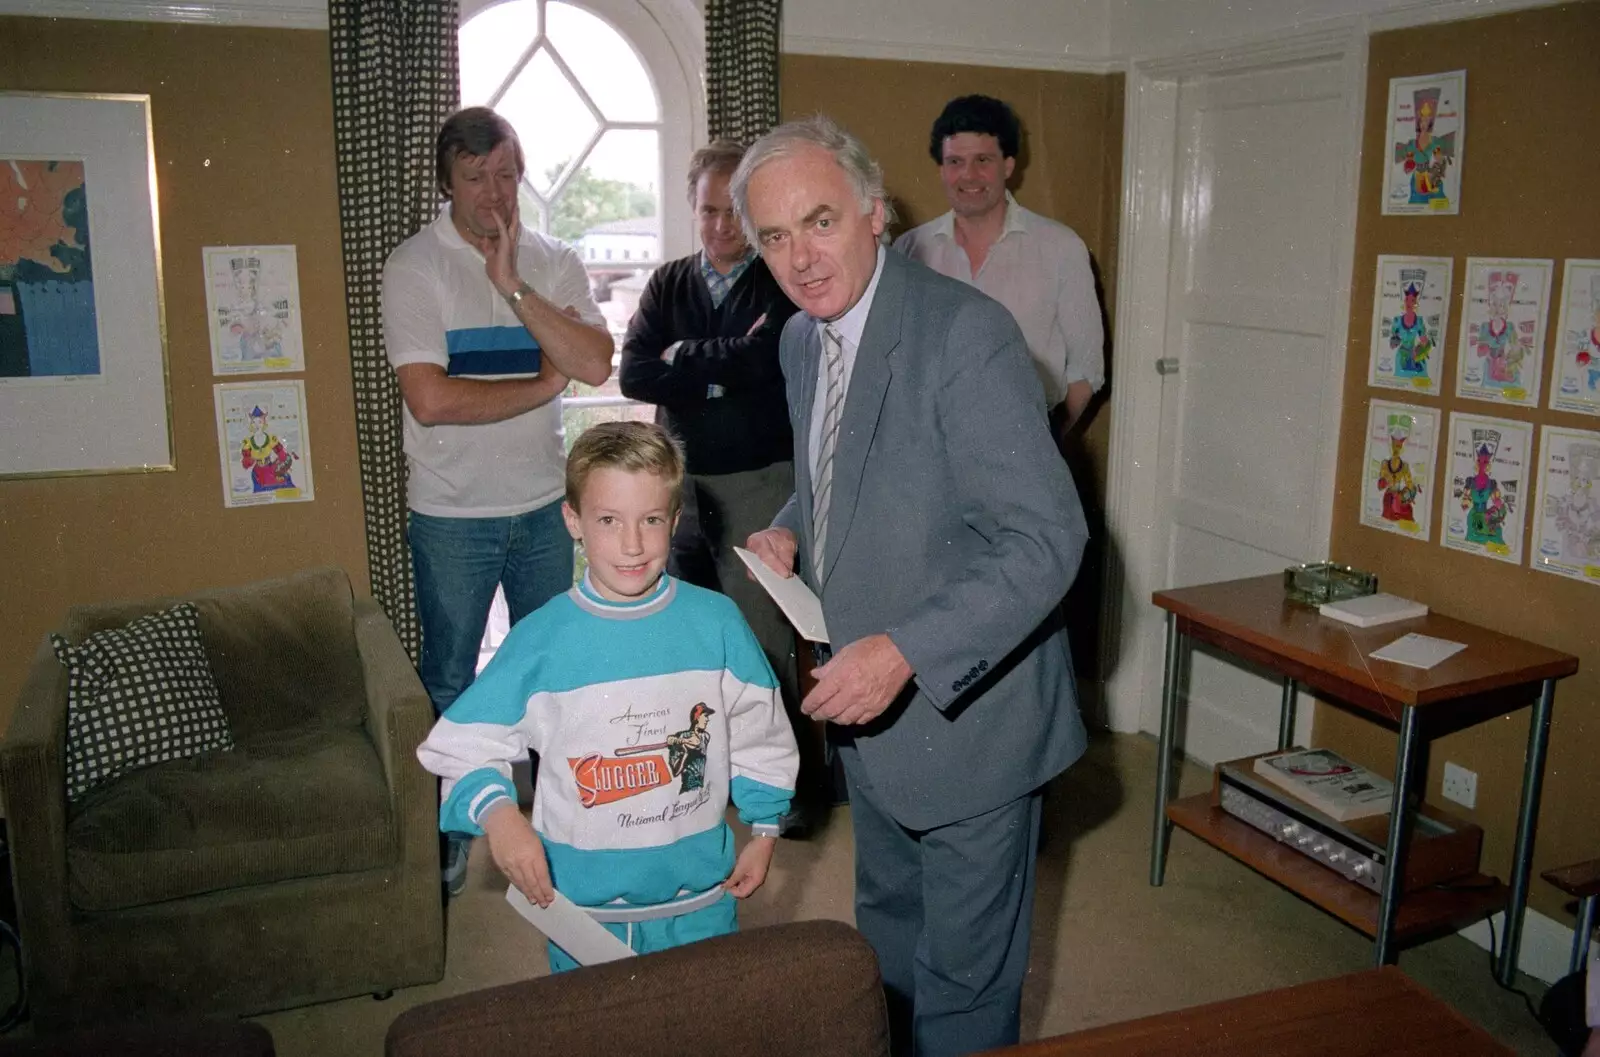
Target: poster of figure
1568,518
48,329
1410,313
253,303
1501,350
265,443
1489,476
1397,488
1427,144
1575,382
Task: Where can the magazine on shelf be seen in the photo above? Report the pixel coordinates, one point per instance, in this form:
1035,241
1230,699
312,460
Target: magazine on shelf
1328,782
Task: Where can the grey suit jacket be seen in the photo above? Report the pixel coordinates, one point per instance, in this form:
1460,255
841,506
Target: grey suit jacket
955,529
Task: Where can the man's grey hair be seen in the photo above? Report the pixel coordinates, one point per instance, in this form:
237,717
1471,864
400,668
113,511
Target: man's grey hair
865,174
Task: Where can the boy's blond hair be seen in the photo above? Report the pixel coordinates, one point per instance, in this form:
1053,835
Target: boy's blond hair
635,447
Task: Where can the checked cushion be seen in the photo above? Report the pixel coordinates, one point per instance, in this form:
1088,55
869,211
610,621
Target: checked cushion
138,695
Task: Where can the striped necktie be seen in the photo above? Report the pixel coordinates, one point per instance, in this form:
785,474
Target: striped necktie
822,480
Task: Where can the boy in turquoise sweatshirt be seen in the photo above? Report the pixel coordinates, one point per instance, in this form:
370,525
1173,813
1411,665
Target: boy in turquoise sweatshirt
650,705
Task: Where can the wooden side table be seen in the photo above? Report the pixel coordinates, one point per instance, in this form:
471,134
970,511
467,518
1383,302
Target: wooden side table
1494,675
1380,1011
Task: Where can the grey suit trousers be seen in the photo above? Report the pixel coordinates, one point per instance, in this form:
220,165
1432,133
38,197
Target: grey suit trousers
955,988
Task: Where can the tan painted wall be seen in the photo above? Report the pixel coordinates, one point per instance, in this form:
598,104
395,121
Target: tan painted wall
244,153
1533,102
1070,169
243,123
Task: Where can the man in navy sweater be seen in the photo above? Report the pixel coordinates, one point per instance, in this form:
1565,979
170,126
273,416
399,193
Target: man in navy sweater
703,347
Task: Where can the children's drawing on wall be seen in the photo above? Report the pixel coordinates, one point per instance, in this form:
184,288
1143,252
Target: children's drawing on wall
48,330
1397,493
253,301
1410,313
1501,349
1489,470
266,450
1427,132
1575,383
1568,522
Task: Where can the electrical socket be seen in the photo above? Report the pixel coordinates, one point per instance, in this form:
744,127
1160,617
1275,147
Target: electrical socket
1460,785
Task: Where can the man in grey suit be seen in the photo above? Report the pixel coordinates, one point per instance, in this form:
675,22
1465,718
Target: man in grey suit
935,519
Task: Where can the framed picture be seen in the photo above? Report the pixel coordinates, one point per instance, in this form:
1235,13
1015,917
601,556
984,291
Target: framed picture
1410,313
1490,466
265,443
1567,519
253,304
1427,143
1397,487
1500,352
1575,379
83,379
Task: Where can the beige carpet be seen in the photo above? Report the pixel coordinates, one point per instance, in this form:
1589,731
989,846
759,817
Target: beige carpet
1106,946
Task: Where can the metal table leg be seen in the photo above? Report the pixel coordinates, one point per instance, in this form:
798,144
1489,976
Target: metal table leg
1169,721
1286,713
1580,935
1394,858
1527,822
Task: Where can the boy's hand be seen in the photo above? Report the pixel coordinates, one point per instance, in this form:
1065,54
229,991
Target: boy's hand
518,852
750,869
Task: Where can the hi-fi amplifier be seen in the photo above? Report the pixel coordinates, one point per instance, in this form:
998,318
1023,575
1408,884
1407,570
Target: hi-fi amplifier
1441,848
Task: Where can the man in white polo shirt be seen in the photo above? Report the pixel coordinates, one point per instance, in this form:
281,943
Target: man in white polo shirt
485,321
1037,268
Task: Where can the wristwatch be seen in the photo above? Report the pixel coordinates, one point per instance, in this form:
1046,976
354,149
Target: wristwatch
516,296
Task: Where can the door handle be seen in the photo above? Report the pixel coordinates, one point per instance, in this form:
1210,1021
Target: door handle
1167,365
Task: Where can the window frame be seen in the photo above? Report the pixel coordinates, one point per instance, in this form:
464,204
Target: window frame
668,36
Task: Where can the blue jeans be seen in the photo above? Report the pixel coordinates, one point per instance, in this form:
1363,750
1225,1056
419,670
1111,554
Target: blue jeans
458,562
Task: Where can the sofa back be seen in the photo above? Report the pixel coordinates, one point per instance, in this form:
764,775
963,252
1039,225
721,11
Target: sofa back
283,651
801,989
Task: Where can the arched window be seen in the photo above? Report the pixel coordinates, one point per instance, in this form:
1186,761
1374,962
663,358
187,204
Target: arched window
599,92
602,95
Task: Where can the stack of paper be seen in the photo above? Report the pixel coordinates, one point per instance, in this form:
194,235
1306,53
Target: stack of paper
1371,610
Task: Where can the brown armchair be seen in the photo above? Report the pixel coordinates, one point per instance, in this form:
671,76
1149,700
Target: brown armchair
299,867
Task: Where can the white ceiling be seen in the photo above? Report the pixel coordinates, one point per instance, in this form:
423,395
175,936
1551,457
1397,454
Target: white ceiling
1048,34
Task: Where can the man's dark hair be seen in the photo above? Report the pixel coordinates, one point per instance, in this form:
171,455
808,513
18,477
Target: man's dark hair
477,131
981,114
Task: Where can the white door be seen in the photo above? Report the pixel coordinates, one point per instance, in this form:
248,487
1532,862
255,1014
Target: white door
1255,327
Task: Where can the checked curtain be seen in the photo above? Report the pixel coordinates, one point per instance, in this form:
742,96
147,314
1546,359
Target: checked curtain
394,82
742,68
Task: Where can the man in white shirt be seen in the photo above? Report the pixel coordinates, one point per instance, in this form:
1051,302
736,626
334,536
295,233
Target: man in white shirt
484,322
1037,268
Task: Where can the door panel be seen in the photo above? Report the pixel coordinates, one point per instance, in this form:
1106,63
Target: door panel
1248,420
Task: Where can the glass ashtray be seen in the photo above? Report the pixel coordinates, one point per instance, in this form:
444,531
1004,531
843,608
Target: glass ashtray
1321,582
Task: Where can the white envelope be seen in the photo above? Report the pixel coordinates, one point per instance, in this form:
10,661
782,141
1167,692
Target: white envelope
1418,651
798,602
565,924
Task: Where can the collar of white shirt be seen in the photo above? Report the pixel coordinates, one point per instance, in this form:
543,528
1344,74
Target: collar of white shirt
849,327
1016,220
